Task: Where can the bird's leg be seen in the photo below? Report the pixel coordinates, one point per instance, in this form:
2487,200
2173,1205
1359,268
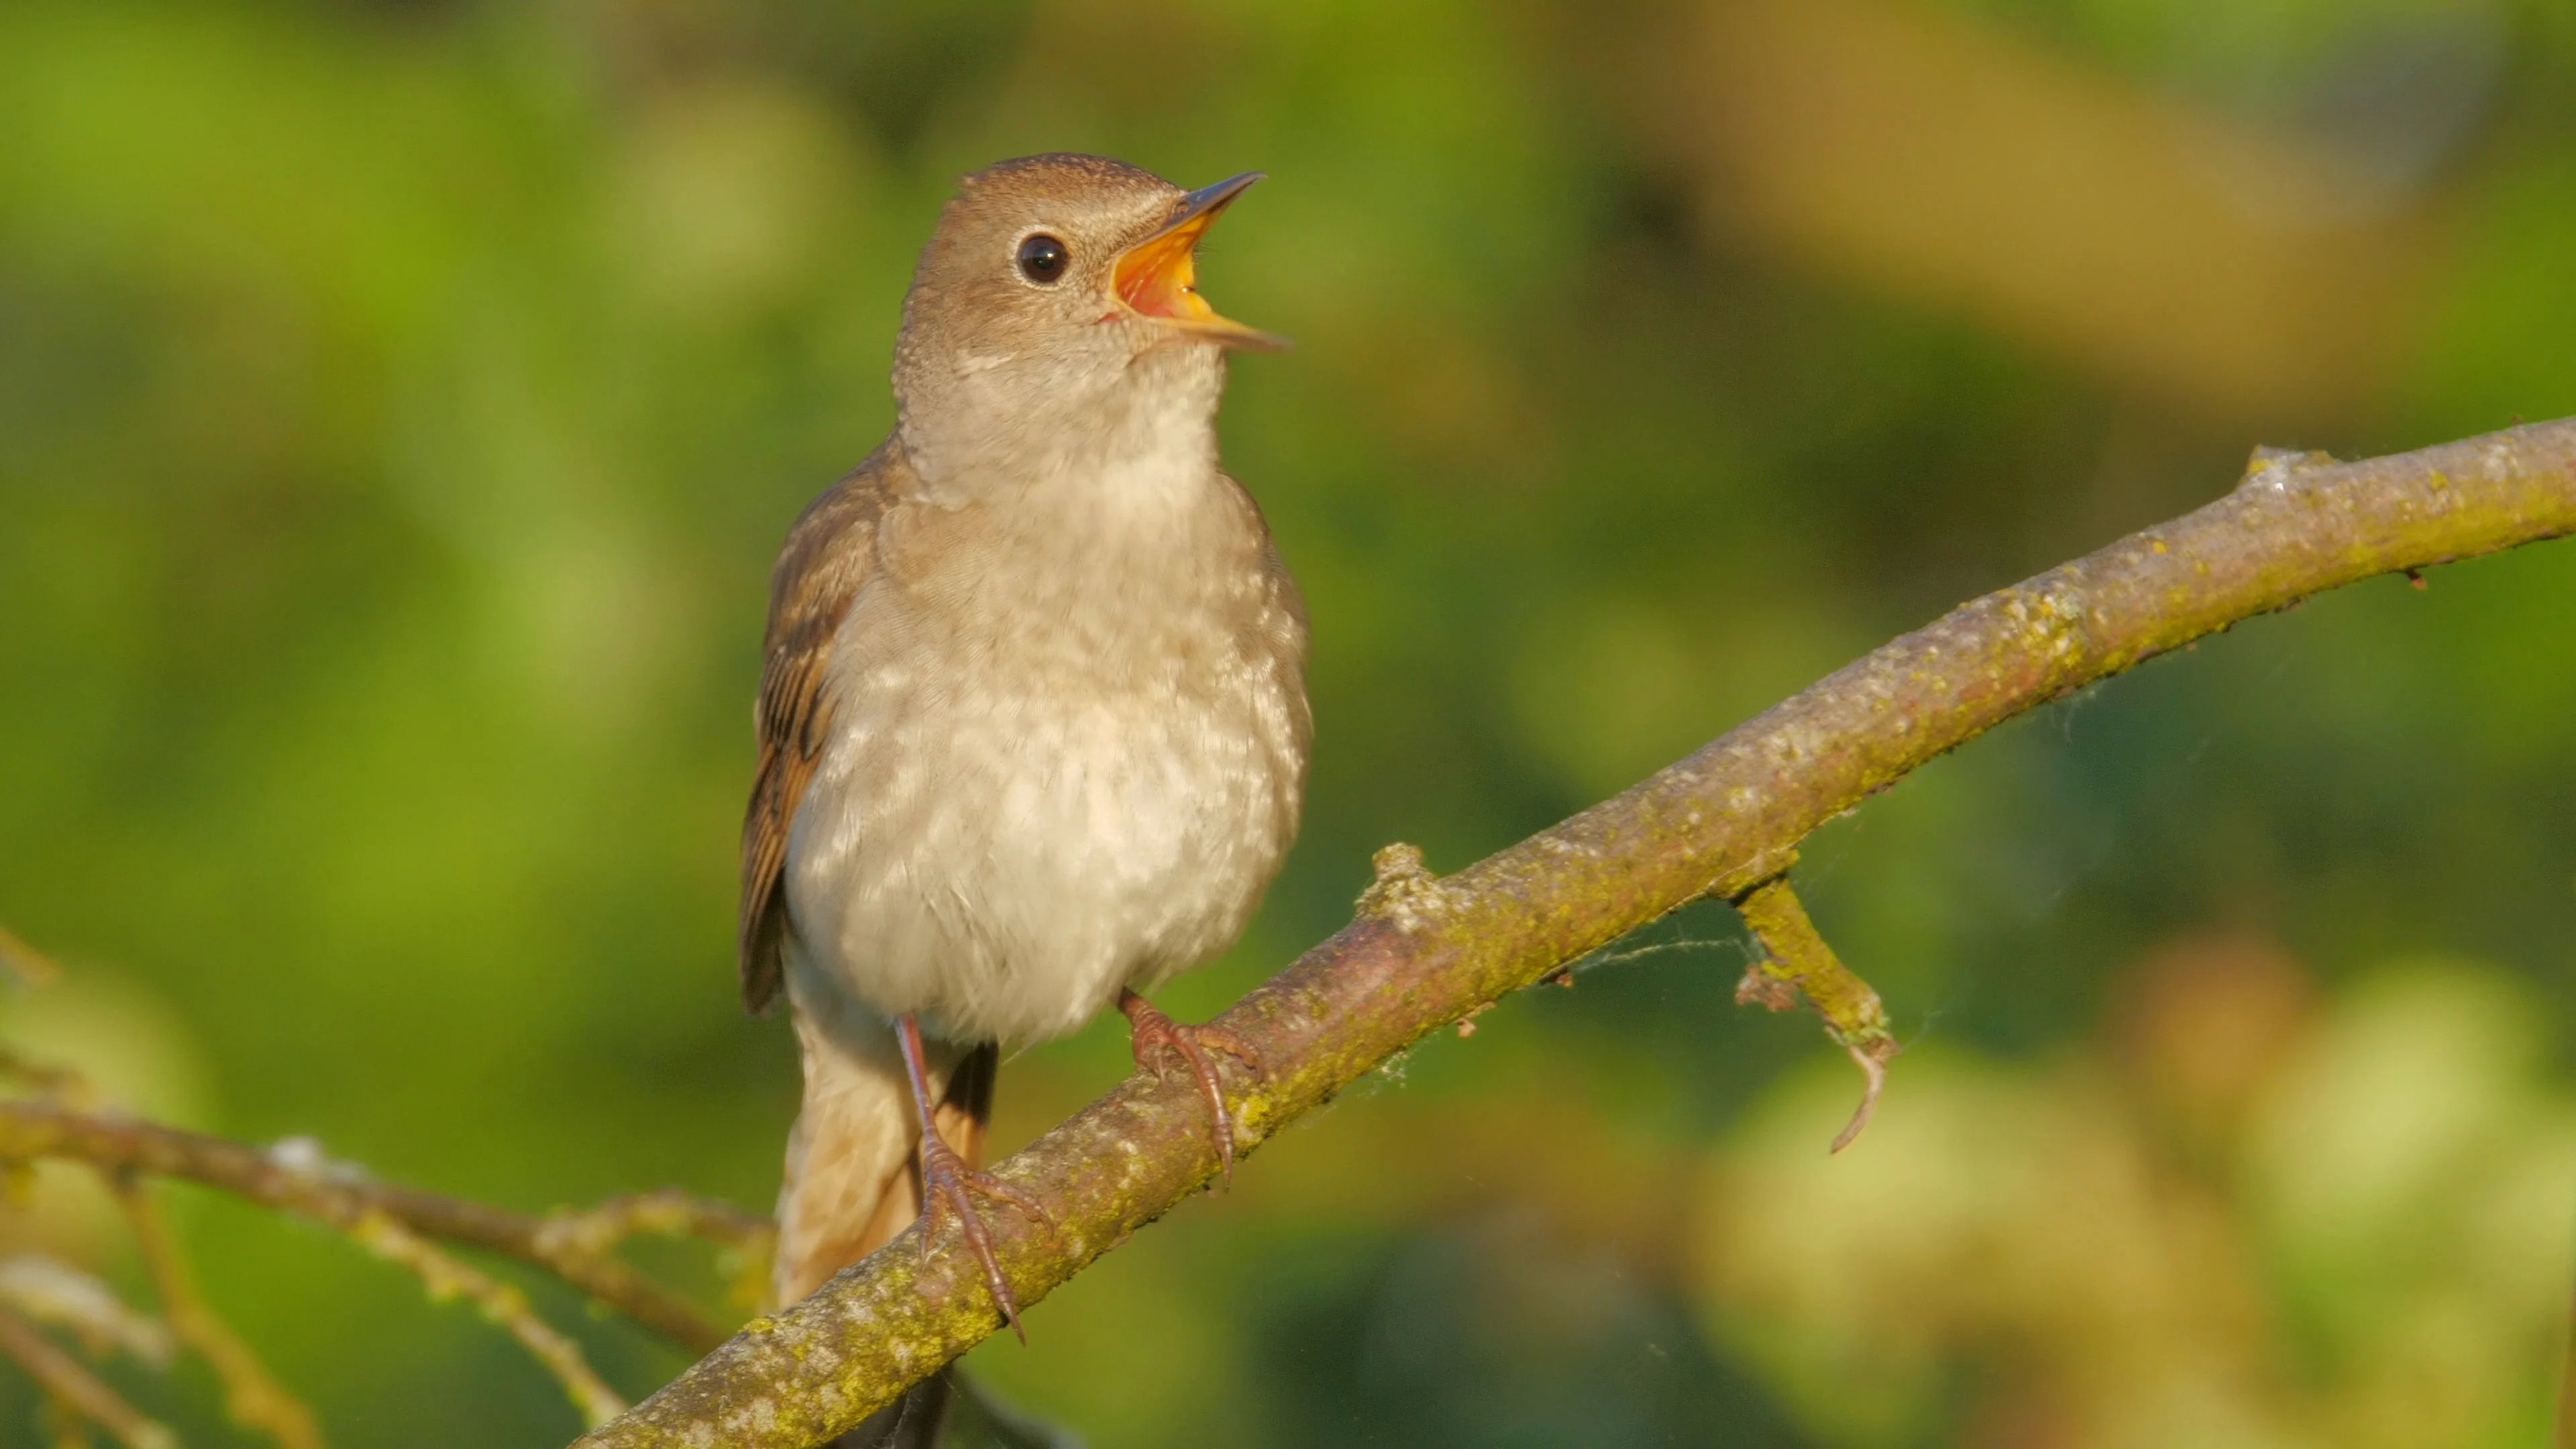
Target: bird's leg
946,1182
1156,1039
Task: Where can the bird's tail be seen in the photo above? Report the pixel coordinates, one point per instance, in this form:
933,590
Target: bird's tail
853,1176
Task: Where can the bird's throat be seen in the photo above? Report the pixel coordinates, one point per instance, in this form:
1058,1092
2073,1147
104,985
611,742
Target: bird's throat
1144,438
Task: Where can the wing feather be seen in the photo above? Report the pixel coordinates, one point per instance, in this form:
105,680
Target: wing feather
828,557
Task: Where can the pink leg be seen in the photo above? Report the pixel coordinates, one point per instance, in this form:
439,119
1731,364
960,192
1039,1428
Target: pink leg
947,1182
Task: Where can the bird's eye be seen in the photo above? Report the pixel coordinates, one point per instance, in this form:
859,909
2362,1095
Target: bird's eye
1043,259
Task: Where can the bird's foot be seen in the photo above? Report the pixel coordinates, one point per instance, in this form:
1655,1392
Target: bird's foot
1156,1040
948,1184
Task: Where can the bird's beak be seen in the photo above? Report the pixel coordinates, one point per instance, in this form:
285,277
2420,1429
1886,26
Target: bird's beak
1158,277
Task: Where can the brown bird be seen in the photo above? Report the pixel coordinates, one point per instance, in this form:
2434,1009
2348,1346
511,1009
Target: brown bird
1032,717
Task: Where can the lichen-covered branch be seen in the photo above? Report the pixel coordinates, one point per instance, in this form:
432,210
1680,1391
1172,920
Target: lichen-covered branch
295,1178
1425,951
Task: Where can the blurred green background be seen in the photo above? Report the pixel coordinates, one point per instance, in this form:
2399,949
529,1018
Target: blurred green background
400,405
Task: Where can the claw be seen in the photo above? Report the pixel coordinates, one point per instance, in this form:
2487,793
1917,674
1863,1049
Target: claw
948,1185
1156,1039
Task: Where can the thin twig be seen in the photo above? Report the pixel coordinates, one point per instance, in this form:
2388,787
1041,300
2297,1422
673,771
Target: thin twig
76,1389
745,1242
252,1398
667,1212
55,1293
292,1177
46,1079
445,1277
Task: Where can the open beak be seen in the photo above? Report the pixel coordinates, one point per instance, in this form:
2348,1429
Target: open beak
1158,277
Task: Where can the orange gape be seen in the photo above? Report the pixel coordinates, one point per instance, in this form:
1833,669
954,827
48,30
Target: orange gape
1160,278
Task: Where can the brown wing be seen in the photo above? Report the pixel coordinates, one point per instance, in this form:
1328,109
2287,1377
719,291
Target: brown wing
828,555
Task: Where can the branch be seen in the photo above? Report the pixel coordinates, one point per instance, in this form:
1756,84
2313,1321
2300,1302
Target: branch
663,1212
499,1302
1426,952
75,1390
298,1181
54,1294
253,1398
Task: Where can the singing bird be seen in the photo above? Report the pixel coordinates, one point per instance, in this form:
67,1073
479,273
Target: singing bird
1032,717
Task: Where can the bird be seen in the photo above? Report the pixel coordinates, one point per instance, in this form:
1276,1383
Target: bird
1032,717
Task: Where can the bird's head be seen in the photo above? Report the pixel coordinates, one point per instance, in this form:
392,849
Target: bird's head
1055,317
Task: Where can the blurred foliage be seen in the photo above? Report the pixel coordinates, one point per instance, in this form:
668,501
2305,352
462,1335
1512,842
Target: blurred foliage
400,405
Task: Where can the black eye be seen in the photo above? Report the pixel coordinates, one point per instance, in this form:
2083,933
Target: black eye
1042,259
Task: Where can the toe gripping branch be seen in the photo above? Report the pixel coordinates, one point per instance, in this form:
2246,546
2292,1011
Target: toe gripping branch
1797,968
1158,1042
